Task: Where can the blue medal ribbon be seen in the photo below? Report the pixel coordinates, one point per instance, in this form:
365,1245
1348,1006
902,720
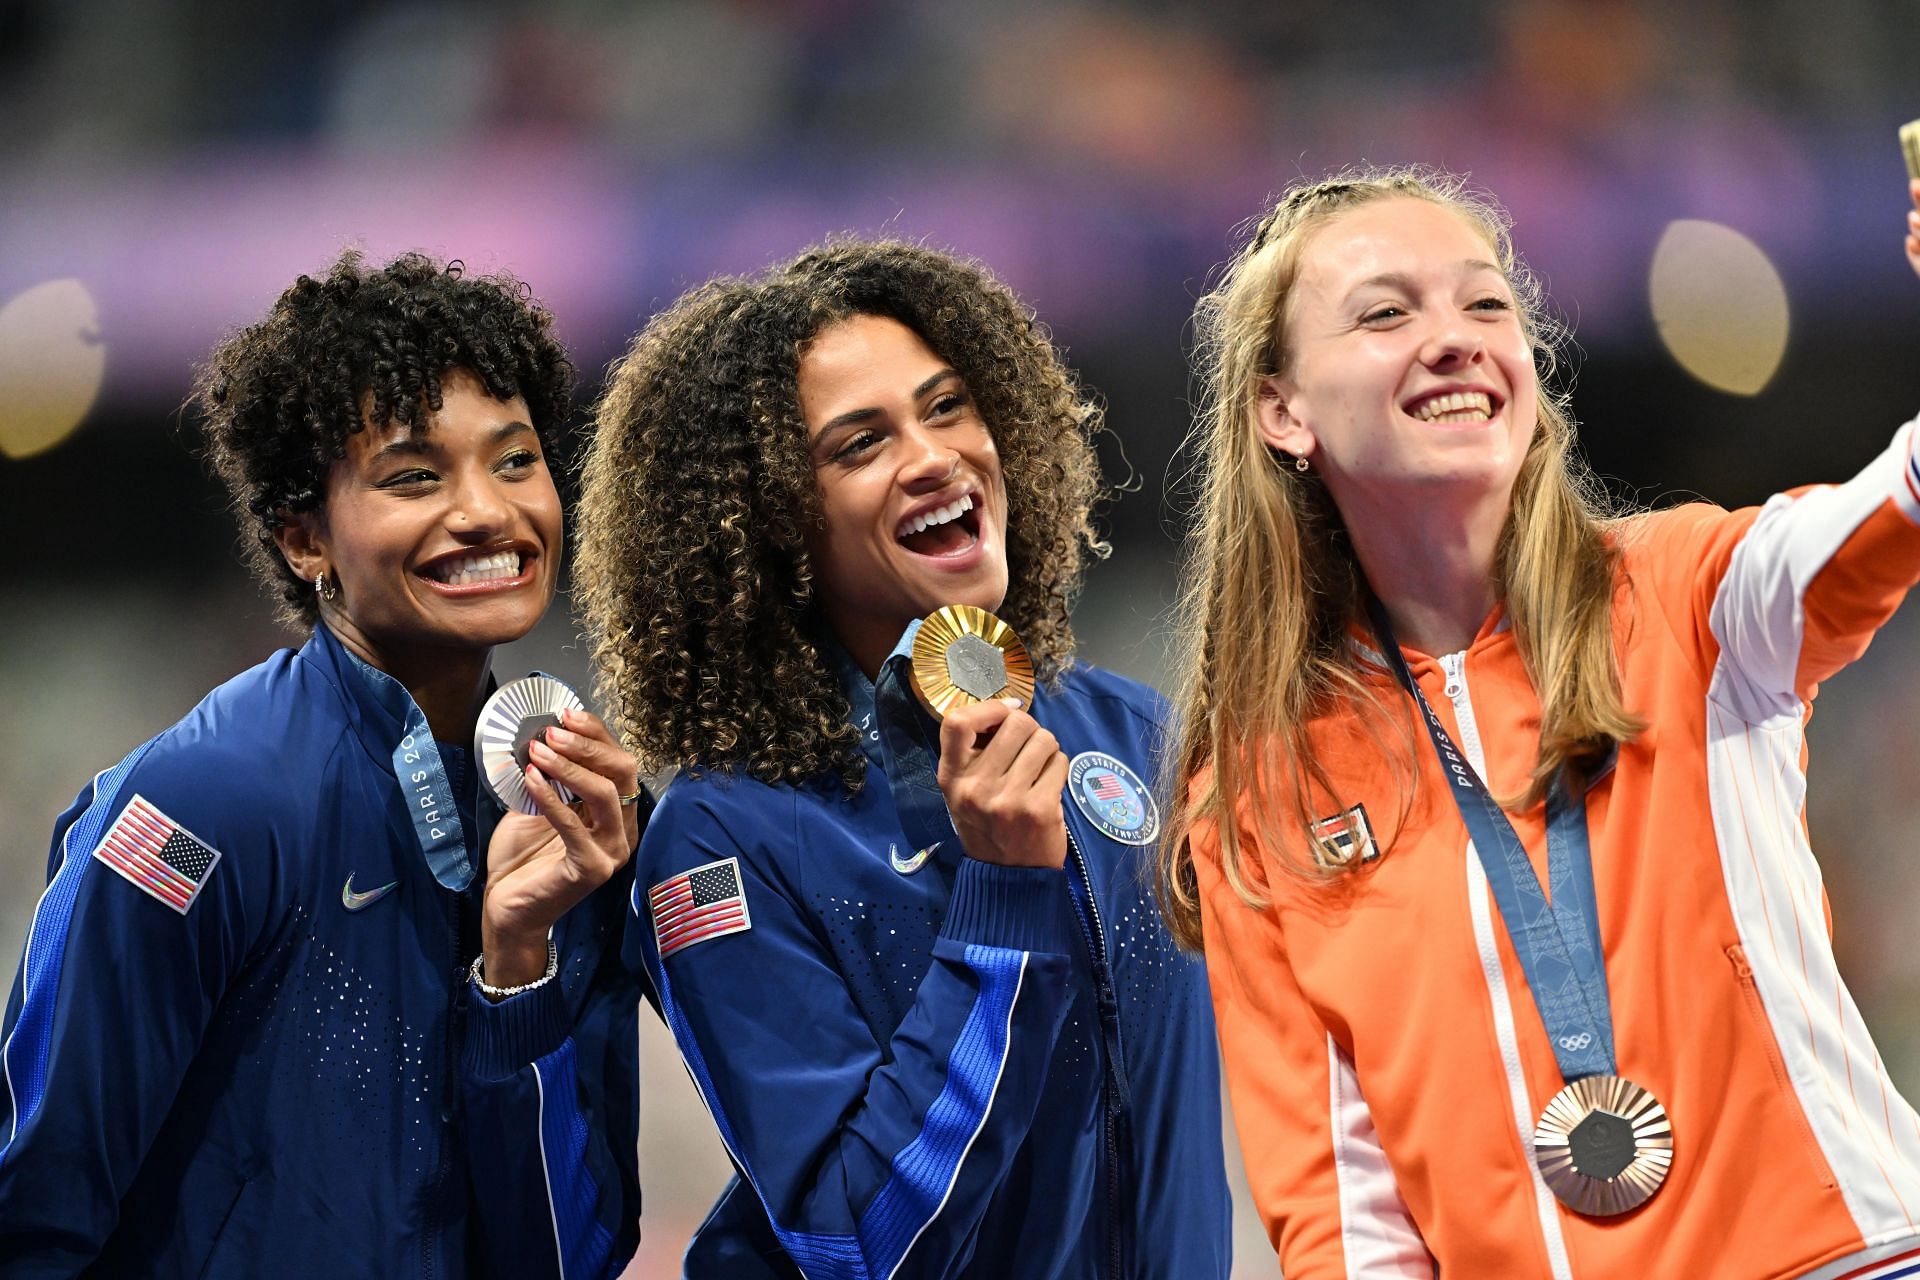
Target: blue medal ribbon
1557,939
908,747
896,734
422,776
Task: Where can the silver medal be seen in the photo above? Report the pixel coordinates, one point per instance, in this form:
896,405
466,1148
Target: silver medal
513,717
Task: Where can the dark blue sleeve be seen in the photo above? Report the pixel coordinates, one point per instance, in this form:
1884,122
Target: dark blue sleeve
115,990
551,1079
870,1159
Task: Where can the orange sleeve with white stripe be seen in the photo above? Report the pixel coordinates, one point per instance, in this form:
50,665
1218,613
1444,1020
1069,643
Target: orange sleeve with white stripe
1318,1173
1782,596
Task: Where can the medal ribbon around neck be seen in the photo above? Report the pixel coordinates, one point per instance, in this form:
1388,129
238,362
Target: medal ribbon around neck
422,776
907,750
1557,940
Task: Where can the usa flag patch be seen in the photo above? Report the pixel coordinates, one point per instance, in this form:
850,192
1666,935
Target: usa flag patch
157,855
698,905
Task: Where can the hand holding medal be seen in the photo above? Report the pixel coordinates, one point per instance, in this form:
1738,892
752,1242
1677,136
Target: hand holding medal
1000,772
571,821
515,716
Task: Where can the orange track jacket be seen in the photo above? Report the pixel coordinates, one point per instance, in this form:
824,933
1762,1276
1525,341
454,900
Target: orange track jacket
1385,1059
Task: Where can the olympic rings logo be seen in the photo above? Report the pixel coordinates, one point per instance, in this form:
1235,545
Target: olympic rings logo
1576,1043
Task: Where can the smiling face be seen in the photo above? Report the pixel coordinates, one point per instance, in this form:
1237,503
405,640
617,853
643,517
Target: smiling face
910,487
1407,378
447,538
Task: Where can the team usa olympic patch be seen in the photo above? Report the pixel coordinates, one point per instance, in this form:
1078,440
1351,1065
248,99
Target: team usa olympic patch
157,855
698,906
1113,798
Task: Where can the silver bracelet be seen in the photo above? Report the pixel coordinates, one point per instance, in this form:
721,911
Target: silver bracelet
501,993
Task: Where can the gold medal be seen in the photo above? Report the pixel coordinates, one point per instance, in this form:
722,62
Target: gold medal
1603,1145
963,655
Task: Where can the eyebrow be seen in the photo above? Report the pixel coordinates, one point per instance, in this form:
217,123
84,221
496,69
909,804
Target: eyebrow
852,416
413,445
1401,280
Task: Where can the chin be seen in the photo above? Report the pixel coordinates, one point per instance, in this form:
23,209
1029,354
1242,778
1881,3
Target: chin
488,632
988,594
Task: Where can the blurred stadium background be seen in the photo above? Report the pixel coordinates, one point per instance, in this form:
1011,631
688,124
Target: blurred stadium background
1711,192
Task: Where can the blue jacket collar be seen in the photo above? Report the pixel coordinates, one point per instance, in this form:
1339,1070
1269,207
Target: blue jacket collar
393,729
859,690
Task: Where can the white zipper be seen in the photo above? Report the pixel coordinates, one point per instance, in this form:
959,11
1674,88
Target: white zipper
1485,922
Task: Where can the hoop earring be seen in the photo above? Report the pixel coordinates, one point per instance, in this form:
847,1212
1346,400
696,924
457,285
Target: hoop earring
1299,464
326,590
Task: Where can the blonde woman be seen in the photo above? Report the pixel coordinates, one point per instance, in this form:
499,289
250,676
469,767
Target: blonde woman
1491,816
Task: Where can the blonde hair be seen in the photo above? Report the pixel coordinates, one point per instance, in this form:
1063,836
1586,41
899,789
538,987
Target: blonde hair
1271,585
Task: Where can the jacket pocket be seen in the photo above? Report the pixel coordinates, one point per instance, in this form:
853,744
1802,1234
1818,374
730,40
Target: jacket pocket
1763,1029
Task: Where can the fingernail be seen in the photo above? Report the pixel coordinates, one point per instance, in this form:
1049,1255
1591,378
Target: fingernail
1015,703
534,775
539,746
559,737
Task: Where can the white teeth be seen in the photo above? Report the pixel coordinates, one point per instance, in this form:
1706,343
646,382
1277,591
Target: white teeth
459,573
938,516
1460,406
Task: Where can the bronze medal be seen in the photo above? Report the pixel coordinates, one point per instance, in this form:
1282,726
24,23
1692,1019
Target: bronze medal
1603,1145
963,655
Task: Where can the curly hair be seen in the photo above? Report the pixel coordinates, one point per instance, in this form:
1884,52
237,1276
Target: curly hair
361,346
692,572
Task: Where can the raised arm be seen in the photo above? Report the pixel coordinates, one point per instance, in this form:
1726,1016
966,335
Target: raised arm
1820,570
551,1073
1776,599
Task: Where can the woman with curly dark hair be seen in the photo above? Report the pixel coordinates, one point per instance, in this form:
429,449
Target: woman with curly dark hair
932,1009
278,1015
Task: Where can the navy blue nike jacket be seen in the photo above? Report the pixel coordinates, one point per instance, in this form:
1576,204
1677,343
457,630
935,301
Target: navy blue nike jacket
243,1042
925,1065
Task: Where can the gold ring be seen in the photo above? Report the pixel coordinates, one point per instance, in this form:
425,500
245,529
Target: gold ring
632,797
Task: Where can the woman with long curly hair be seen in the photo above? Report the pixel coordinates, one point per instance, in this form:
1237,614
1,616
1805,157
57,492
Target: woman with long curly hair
299,1000
1490,798
934,1014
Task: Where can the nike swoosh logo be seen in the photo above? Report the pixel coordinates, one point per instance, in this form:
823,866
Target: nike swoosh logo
907,866
361,901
